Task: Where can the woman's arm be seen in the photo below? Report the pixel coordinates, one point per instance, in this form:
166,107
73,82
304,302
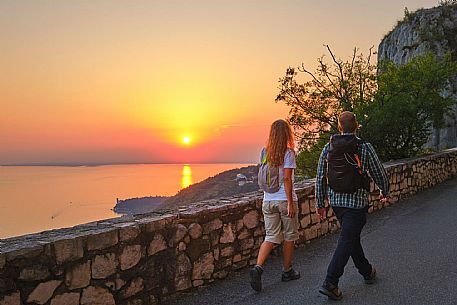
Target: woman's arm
288,188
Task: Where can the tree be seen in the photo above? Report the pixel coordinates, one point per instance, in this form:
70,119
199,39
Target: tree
411,99
447,2
396,105
334,87
316,103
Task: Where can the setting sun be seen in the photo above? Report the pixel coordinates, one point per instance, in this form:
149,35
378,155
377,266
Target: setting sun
186,140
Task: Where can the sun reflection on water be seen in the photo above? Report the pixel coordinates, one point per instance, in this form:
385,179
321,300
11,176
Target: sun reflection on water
186,179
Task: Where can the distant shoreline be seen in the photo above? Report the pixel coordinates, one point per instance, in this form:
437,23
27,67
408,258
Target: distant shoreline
223,184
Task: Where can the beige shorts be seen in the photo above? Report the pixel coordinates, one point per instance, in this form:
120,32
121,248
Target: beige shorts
279,226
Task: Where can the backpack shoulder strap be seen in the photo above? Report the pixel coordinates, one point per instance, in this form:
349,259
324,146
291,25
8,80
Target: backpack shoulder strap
358,153
359,144
327,147
263,156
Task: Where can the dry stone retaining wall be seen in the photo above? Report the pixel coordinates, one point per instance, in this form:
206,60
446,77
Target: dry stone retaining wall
145,259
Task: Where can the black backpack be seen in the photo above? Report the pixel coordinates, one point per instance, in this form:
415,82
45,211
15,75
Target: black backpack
344,171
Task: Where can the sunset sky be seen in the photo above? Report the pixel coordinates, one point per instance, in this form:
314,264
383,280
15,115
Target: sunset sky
162,81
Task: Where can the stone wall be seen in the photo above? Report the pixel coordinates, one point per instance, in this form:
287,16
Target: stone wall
146,259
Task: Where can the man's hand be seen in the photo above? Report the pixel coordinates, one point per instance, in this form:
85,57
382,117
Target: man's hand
322,213
383,198
291,210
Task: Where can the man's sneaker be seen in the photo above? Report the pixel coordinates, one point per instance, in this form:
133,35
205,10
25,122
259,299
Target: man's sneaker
256,278
290,275
370,279
331,291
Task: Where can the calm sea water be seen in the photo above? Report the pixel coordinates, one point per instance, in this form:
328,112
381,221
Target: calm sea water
38,198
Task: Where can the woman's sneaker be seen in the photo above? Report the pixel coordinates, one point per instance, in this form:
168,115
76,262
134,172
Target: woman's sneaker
256,278
290,275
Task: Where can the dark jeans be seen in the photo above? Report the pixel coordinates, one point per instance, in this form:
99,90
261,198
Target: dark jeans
352,222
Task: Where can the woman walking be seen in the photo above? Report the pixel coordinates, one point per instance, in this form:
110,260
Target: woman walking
280,207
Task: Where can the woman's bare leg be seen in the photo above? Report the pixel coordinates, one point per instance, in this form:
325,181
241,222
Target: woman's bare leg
264,252
288,253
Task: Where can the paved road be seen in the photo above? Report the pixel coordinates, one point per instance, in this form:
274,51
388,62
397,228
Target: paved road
413,245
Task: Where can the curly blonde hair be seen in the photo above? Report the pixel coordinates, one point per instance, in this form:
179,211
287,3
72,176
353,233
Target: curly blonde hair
281,138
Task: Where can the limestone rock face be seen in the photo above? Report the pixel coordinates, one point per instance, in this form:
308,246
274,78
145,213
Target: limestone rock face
427,30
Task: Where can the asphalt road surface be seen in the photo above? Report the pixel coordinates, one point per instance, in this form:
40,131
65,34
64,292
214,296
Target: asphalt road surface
412,244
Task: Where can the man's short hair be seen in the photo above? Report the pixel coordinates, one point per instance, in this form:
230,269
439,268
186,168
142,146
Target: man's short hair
347,122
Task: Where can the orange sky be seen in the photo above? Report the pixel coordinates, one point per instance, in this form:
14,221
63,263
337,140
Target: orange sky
125,81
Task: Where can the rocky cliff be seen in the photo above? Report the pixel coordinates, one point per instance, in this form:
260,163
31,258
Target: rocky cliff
426,30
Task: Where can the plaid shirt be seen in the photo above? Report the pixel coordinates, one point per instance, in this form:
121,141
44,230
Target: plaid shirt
370,163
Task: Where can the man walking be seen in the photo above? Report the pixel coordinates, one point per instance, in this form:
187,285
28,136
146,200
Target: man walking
342,178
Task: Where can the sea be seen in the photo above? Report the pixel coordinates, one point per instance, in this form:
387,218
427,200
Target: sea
39,198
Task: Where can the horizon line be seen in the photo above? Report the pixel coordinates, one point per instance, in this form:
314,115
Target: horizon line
119,163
